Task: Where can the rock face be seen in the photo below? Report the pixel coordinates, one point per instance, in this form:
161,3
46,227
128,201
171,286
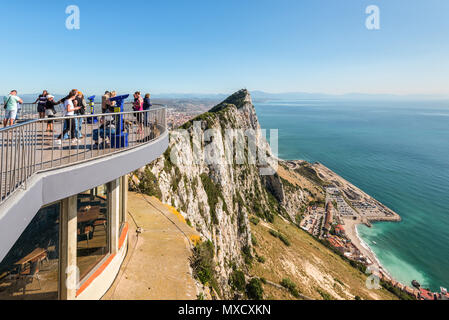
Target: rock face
217,182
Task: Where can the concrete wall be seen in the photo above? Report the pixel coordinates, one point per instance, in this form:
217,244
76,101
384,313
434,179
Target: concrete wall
54,185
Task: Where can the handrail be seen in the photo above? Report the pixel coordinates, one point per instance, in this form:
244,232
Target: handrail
27,149
28,110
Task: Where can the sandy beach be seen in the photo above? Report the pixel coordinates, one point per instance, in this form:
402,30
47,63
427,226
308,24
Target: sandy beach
352,234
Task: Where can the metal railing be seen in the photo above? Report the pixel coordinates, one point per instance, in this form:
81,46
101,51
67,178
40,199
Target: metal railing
28,148
28,111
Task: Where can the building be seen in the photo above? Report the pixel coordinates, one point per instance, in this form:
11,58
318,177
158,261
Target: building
426,294
329,217
63,228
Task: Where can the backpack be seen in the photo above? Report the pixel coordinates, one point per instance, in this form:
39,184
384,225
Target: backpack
6,103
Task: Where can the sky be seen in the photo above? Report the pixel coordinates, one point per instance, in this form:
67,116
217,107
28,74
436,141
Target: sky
211,46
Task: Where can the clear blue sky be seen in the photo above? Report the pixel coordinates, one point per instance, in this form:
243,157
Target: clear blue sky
211,46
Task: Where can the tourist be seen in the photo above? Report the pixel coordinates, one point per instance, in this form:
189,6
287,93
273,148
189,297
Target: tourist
79,102
62,101
50,112
146,106
107,129
41,103
11,108
69,111
112,104
138,106
105,101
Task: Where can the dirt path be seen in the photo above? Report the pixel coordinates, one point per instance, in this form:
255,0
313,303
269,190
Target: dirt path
157,265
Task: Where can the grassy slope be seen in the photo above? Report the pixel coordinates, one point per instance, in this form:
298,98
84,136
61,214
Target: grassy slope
310,265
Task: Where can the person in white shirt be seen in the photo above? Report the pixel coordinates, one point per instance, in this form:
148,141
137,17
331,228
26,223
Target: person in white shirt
11,105
70,124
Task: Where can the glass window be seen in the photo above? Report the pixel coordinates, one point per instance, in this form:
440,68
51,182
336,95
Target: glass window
93,230
30,269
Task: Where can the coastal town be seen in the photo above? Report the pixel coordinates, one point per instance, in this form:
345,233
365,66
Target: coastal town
336,222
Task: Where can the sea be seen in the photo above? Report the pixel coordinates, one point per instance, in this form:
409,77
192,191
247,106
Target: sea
396,151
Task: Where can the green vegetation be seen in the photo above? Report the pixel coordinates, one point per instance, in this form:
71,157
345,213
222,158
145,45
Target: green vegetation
200,297
207,117
260,259
290,286
358,265
324,294
309,173
176,179
254,220
213,194
149,184
254,289
238,281
203,265
287,184
396,291
280,236
247,256
254,241
237,99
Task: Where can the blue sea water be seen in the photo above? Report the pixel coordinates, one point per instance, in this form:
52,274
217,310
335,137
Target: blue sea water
396,151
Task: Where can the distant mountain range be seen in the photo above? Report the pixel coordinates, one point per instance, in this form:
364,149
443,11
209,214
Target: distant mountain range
264,96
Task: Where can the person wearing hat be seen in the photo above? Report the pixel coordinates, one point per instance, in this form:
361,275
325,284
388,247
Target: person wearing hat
50,111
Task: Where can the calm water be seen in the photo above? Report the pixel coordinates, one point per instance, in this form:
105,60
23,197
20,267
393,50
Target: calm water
398,152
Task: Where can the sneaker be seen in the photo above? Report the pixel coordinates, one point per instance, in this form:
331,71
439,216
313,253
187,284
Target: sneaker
75,140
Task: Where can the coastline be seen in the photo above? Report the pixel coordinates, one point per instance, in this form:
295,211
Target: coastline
381,214
353,234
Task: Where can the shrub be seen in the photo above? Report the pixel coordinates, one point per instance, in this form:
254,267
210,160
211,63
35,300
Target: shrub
254,290
238,281
274,233
280,237
149,184
324,294
254,240
254,220
290,286
261,259
284,239
213,194
247,256
202,263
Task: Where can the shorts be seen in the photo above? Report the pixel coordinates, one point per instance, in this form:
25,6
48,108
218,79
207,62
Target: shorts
11,114
40,108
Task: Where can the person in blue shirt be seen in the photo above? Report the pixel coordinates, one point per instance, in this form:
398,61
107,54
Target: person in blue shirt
146,106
